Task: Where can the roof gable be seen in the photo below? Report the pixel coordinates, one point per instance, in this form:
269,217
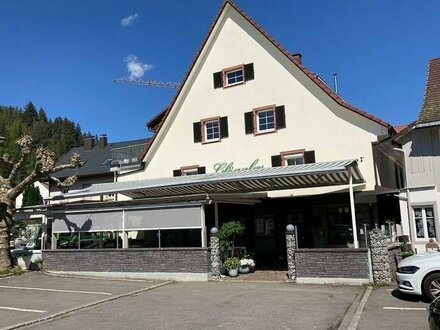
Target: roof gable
157,122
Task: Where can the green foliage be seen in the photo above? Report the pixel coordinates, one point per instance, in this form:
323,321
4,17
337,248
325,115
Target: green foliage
59,135
232,263
227,234
32,196
11,271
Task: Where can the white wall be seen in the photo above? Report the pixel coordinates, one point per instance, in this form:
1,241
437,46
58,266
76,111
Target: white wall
314,121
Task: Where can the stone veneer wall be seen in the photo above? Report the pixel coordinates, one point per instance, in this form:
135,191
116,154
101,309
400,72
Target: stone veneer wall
164,260
395,256
380,260
332,263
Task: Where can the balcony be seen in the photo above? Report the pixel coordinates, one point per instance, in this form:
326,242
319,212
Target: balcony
126,159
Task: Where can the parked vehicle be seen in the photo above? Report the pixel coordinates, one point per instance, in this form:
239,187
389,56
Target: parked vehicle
434,315
420,275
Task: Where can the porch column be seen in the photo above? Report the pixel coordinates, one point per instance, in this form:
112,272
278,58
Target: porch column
216,215
353,211
203,225
215,254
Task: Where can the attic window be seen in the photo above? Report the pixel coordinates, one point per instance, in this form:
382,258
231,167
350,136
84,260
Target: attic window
235,75
107,162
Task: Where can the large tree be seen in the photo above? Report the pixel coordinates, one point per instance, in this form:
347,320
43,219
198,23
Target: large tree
20,175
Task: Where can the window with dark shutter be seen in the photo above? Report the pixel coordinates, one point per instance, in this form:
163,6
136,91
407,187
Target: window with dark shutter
218,79
177,172
224,130
249,122
309,157
280,116
276,160
197,128
201,170
249,72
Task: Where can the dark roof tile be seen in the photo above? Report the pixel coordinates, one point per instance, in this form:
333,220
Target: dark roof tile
431,104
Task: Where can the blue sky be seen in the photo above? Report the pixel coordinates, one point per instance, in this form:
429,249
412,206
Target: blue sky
63,55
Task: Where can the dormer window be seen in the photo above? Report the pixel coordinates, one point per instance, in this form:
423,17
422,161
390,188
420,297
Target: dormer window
235,75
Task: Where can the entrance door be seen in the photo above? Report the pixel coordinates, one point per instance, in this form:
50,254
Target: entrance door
265,239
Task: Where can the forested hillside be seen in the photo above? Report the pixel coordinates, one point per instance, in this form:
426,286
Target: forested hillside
59,134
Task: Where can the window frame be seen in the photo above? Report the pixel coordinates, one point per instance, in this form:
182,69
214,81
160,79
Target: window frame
184,170
255,113
203,128
232,69
423,208
286,155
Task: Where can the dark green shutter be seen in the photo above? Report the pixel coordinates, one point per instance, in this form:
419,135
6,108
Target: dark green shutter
224,130
249,72
201,170
218,79
309,157
280,115
276,160
197,128
177,172
249,123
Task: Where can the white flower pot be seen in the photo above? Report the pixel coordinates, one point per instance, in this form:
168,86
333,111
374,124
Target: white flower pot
233,272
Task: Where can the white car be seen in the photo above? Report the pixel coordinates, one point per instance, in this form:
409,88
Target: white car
420,275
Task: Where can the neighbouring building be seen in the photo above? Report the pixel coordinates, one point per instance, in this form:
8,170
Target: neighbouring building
251,135
418,145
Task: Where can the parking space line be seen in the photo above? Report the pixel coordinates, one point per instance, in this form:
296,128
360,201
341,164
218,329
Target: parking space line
54,290
22,309
406,308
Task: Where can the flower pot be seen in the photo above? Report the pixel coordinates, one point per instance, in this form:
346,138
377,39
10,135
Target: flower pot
244,270
233,272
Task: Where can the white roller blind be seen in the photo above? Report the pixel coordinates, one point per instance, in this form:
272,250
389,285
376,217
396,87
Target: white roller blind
177,217
98,221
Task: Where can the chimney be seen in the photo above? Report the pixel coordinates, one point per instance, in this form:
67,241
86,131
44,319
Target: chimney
89,143
102,141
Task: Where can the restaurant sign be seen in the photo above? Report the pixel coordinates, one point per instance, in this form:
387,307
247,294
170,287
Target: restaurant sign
226,167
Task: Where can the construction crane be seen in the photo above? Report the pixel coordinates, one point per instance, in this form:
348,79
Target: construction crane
147,82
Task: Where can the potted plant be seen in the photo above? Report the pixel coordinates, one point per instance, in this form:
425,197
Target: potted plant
227,233
247,265
232,264
37,264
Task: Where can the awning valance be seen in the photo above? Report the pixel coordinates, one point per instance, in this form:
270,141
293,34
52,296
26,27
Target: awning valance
265,179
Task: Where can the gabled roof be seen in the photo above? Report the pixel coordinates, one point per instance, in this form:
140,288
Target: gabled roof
157,121
93,160
430,113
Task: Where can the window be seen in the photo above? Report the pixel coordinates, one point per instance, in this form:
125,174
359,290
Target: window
210,130
235,75
265,119
293,157
425,222
107,162
190,170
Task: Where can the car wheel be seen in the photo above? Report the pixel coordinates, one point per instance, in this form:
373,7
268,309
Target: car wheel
431,286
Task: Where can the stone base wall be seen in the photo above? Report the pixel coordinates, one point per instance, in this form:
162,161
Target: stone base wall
395,256
167,260
332,263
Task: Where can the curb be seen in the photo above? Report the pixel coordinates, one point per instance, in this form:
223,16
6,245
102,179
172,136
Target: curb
74,309
353,315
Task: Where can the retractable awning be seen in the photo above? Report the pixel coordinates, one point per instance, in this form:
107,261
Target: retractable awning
265,179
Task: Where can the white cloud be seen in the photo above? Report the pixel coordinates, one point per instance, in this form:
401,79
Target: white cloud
129,20
136,68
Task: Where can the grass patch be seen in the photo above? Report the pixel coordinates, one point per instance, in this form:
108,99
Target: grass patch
11,271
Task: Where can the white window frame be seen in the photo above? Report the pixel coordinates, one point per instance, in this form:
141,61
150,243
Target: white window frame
231,70
257,113
189,170
424,222
205,122
287,157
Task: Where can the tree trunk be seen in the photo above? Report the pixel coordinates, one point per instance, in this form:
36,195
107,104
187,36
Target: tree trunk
5,253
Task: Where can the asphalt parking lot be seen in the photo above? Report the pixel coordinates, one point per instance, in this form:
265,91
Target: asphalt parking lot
37,295
387,308
187,305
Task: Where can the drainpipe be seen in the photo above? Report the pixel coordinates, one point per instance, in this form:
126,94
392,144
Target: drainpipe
408,200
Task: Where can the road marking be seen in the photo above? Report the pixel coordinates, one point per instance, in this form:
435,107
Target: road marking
22,309
53,290
391,289
357,315
406,308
